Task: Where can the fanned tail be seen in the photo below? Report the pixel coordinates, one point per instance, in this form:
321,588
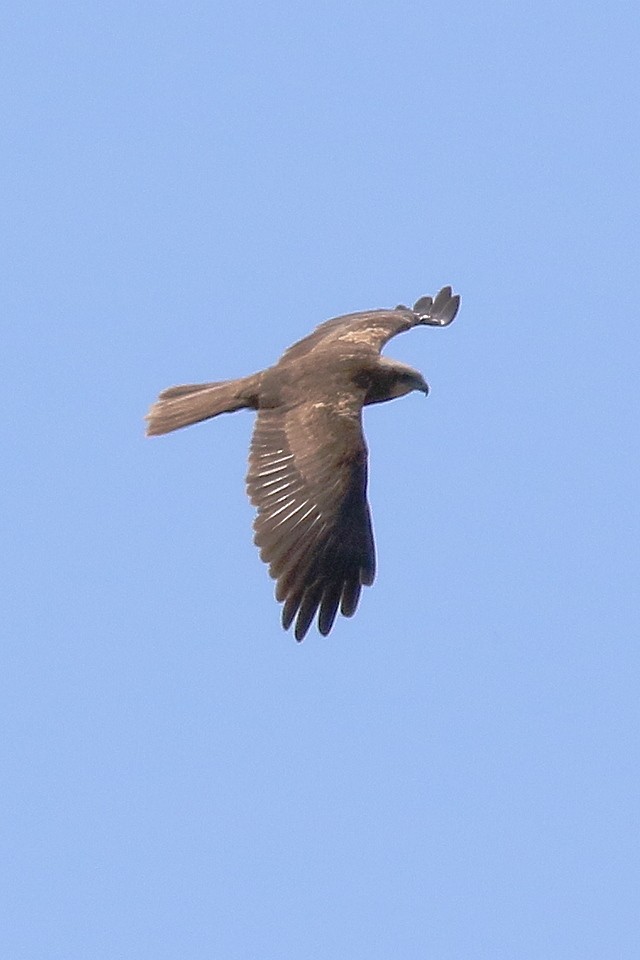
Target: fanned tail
181,406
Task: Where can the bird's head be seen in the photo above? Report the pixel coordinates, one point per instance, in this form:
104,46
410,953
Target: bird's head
395,379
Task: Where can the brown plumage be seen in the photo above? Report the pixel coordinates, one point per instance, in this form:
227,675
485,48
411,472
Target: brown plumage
308,460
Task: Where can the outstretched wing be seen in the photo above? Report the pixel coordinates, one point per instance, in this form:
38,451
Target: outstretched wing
308,478
369,331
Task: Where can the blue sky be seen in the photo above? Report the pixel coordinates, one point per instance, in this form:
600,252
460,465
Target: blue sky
189,188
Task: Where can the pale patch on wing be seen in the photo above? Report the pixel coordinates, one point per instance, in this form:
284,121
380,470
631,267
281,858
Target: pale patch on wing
370,330
371,335
273,466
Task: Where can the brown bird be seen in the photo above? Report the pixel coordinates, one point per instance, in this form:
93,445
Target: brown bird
308,460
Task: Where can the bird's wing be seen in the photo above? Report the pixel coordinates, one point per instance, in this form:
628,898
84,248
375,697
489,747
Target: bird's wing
369,331
308,478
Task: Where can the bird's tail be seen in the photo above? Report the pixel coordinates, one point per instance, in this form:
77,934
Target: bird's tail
181,406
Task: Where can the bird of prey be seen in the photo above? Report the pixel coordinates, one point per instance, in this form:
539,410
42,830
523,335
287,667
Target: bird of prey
308,459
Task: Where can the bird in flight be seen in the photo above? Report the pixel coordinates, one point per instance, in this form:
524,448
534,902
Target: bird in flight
308,458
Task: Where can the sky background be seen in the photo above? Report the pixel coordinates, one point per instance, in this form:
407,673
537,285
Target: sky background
453,774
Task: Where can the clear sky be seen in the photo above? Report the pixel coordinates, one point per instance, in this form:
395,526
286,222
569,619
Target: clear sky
453,774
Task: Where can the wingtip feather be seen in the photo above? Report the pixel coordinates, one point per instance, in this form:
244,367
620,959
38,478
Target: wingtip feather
440,311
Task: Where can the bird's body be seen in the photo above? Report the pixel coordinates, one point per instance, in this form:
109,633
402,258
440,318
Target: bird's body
308,460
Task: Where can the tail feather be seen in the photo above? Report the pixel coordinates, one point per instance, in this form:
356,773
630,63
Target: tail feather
181,406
